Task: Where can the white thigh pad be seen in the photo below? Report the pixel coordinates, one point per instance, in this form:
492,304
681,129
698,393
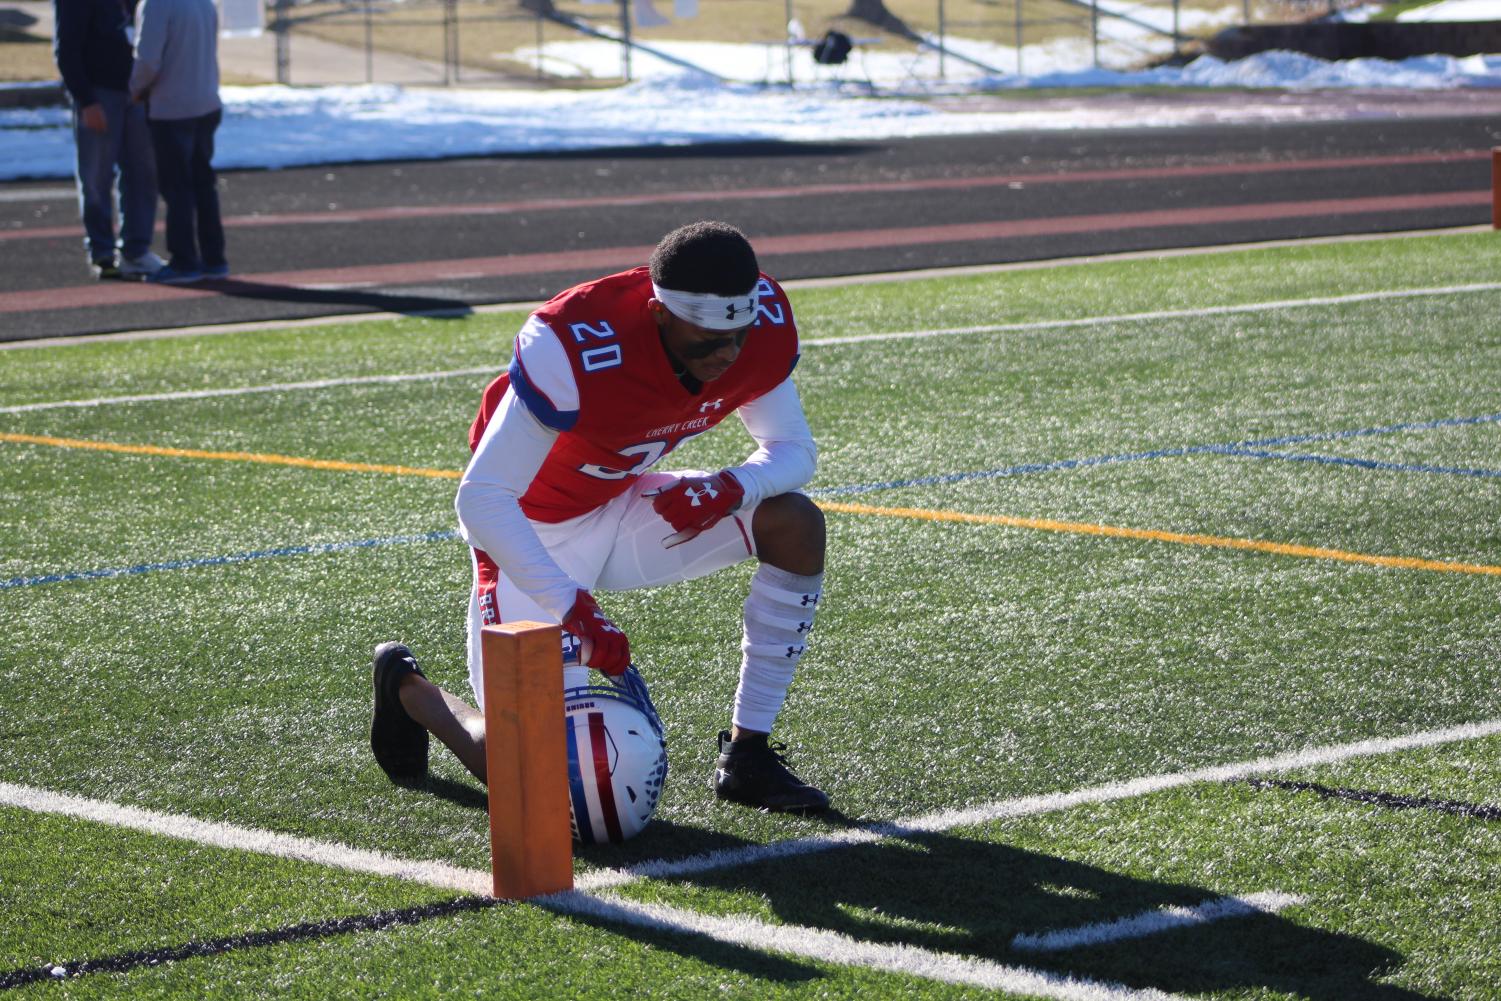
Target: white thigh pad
639,558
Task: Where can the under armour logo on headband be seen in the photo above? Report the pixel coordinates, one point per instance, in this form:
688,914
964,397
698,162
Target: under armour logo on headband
712,312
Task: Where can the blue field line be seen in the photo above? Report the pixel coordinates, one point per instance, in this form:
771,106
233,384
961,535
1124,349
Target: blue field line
1340,460
1302,439
1253,449
1017,470
219,561
1231,448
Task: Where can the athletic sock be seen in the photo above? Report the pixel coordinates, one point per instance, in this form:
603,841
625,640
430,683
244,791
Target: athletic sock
778,615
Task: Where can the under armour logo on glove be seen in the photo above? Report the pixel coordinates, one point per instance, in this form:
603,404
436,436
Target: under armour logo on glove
604,646
694,504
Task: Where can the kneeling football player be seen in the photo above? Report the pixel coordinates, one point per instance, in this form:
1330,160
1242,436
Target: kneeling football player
559,499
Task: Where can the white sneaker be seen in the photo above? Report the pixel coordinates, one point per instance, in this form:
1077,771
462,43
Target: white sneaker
141,267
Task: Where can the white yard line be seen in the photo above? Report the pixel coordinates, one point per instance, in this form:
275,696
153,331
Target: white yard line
478,881
832,947
1026,806
248,839
274,387
1168,314
1158,920
996,328
797,283
813,943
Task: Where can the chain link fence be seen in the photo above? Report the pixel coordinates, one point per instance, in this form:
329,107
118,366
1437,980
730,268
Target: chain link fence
459,42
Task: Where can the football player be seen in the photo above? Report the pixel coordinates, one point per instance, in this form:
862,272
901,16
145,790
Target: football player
561,499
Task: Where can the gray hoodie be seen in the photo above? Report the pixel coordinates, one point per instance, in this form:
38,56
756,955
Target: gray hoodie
177,58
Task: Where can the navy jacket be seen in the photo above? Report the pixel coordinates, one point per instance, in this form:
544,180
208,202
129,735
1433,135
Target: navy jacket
92,46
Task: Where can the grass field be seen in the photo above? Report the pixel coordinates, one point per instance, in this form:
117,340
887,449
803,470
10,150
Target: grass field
1161,615
25,55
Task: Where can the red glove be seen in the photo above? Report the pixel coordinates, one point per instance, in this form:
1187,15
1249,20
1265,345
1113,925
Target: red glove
695,504
605,647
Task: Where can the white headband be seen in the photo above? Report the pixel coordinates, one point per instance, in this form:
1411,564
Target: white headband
704,309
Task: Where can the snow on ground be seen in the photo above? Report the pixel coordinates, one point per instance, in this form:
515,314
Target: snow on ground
282,126
1444,10
1455,10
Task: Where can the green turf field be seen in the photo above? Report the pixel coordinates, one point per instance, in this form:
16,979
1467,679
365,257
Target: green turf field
1158,657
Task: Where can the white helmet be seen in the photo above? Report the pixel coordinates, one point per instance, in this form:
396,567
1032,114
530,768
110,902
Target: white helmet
617,758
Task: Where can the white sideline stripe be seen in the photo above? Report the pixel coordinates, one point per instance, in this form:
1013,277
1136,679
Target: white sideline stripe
835,281
275,387
832,947
248,839
813,943
479,881
1026,806
38,194
1169,314
997,328
816,943
1158,920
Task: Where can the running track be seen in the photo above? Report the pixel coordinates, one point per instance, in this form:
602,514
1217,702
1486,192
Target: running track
447,235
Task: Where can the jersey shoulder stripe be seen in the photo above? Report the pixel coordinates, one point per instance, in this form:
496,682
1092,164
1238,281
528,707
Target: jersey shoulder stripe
546,362
537,402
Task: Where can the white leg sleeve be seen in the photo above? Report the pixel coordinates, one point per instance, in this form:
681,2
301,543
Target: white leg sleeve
778,615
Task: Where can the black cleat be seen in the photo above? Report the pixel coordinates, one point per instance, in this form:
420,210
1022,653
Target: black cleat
398,741
753,771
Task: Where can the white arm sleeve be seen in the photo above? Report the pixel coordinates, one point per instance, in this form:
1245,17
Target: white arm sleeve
786,455
510,453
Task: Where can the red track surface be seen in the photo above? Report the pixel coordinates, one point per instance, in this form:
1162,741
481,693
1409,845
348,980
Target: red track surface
612,258
1013,180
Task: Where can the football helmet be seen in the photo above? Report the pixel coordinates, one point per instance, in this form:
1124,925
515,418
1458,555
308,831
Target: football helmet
617,758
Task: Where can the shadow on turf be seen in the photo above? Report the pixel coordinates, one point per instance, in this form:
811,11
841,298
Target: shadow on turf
663,839
937,892
389,302
124,962
460,793
967,897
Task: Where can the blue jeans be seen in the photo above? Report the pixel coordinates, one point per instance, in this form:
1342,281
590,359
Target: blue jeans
185,171
123,149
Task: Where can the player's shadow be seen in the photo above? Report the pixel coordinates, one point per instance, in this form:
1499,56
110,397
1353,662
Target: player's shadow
388,302
461,793
964,897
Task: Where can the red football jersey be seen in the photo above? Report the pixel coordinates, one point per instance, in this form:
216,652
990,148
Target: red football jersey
632,409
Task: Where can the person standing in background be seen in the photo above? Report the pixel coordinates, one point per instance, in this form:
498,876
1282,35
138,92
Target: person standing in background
177,74
92,47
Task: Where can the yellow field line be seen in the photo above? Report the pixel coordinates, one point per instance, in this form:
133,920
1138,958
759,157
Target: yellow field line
838,507
193,453
1182,538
